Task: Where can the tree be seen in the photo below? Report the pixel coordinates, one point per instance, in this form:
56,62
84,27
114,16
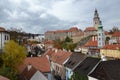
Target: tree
114,29
78,76
107,38
68,39
12,57
65,44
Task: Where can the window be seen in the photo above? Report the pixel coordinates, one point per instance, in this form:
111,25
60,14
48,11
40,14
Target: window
99,34
5,37
99,38
99,43
69,62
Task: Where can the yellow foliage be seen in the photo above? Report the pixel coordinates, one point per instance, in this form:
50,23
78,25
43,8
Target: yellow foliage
13,55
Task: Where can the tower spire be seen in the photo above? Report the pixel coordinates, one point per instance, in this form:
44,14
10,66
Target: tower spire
96,19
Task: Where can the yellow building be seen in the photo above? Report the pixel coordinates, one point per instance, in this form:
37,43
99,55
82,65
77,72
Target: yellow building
112,50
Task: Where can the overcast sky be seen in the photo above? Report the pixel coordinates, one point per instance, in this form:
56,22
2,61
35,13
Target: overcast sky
38,16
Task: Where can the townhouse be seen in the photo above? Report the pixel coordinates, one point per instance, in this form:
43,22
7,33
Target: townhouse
35,67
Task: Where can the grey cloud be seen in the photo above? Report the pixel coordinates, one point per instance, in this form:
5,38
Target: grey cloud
26,14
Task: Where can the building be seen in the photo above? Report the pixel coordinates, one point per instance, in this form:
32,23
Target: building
74,60
31,73
93,30
86,66
111,50
106,70
96,19
115,39
37,65
4,37
58,58
92,46
62,34
101,36
90,31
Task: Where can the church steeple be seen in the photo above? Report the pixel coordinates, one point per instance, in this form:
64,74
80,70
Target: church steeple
101,36
96,19
96,13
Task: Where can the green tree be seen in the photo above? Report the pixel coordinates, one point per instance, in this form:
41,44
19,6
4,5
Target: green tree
78,76
12,57
68,39
107,38
65,44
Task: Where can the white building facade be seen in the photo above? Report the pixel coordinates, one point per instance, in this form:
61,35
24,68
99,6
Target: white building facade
101,36
4,37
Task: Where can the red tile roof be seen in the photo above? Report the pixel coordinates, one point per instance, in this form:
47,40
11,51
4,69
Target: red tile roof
27,73
62,31
3,78
49,52
91,43
58,56
73,29
40,63
90,29
112,47
116,34
106,33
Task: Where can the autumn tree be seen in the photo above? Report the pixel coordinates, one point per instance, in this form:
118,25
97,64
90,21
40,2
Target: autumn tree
12,57
65,44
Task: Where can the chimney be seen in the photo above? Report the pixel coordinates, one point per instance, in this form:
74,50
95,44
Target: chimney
103,58
29,67
56,50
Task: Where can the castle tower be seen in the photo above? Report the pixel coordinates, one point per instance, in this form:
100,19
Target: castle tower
96,19
101,36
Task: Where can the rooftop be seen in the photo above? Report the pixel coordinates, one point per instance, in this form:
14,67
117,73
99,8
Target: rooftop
74,60
107,70
87,65
90,29
40,63
112,46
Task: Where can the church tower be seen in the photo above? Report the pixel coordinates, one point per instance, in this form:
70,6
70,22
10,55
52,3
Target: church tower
101,36
96,19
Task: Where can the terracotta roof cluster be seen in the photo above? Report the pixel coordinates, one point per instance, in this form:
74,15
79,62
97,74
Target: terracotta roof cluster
73,29
90,29
116,34
3,78
40,63
58,56
62,31
91,43
112,46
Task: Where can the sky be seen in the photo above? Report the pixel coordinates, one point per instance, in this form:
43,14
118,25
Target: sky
39,16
